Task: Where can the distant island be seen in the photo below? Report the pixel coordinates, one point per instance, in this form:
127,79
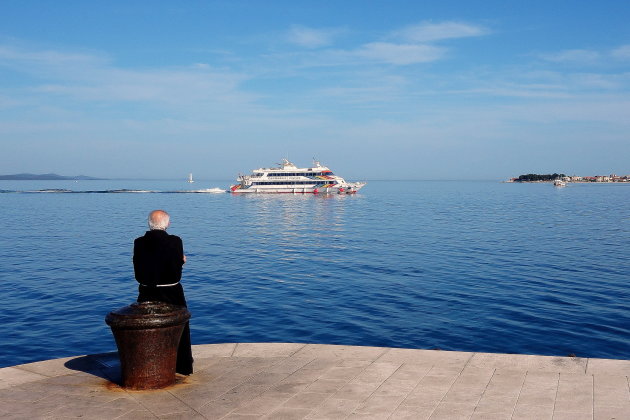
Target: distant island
572,178
46,177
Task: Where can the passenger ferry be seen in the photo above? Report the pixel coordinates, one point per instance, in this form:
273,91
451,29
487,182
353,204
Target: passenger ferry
288,178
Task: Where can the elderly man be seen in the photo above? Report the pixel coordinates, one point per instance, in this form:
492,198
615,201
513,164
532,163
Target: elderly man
157,262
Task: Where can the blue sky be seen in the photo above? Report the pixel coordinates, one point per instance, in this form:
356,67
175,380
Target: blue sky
374,89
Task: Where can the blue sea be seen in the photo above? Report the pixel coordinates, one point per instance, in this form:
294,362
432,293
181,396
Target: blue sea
452,265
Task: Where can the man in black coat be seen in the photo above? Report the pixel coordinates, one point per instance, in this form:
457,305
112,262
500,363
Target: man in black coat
157,263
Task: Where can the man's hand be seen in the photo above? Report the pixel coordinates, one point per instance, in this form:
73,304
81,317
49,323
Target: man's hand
184,259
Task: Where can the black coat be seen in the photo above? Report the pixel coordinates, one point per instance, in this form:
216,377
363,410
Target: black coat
158,259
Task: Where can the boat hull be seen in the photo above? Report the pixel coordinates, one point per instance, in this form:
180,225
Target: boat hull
239,189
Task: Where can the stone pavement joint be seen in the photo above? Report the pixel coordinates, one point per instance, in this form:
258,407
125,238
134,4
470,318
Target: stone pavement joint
317,381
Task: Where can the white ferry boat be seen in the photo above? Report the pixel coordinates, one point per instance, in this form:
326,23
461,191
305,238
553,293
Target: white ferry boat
288,178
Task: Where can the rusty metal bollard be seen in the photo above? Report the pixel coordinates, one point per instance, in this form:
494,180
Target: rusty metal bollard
147,336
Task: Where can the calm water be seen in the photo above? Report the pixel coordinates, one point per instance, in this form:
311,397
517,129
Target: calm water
473,266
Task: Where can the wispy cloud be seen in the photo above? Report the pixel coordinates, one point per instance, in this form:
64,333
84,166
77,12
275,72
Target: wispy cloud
400,54
304,36
93,78
431,32
573,56
409,45
621,53
588,56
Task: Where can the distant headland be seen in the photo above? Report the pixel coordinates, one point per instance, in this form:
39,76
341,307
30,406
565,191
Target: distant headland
46,177
572,178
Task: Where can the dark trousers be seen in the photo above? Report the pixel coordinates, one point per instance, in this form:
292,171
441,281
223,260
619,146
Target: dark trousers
184,353
175,296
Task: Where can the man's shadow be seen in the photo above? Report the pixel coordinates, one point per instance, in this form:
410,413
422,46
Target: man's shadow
104,365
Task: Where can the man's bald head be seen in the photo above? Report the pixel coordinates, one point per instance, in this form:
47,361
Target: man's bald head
158,220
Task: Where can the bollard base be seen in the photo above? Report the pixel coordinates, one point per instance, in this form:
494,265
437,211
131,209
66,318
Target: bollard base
148,366
147,335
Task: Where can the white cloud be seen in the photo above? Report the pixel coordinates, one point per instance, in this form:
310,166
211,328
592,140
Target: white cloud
91,78
47,61
400,54
621,53
311,38
573,56
428,32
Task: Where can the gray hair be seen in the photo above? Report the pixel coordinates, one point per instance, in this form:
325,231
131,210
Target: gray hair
158,220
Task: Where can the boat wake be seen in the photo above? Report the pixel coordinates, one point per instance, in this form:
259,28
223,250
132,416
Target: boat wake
119,191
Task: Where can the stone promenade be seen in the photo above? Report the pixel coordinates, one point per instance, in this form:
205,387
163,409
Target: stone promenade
311,381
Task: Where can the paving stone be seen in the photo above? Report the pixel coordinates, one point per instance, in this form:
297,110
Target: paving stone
358,363
533,412
575,394
377,372
196,397
137,415
12,376
497,405
218,408
70,411
326,385
611,391
608,366
501,394
284,380
426,398
569,415
427,357
308,400
332,409
22,396
355,391
18,409
432,387
288,414
244,392
264,404
608,413
367,416
236,416
525,362
344,373
128,404
266,378
469,387
50,368
184,415
289,365
213,350
341,352
412,413
411,372
539,389
379,405
490,416
291,386
266,349
452,411
323,364
394,387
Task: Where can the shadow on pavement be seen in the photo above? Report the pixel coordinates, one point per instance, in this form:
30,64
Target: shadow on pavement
104,365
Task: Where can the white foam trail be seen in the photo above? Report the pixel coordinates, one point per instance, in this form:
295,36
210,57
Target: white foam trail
215,190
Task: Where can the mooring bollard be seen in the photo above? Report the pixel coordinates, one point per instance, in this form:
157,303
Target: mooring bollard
147,336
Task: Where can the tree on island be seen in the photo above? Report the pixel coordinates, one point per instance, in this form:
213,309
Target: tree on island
538,177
